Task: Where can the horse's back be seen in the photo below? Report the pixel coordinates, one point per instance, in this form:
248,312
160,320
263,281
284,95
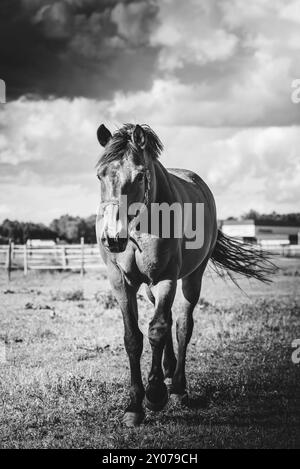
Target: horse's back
188,182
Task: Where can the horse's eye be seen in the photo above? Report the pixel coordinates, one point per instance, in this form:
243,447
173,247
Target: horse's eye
139,178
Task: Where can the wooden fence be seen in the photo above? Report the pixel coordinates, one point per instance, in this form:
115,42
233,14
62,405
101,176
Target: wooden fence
285,250
59,257
79,257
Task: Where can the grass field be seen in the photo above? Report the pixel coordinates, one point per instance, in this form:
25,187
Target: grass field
64,372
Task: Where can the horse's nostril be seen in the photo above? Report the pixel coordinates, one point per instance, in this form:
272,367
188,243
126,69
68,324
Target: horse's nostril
113,239
114,243
110,240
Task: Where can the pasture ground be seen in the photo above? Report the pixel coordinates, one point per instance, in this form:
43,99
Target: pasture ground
64,371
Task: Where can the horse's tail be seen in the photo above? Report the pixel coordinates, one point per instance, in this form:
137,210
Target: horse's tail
234,256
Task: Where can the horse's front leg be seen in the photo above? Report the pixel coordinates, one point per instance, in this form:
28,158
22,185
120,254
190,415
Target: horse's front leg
159,331
133,340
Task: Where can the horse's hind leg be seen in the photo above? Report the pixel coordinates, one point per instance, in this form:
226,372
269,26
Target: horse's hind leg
191,287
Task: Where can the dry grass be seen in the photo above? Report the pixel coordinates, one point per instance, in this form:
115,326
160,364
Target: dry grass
64,382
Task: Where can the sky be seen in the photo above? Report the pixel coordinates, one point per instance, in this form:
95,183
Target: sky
213,78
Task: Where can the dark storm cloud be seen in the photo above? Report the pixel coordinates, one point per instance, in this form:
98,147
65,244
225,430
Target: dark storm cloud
76,47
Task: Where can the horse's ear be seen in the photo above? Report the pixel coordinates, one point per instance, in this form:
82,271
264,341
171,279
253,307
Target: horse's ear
139,137
103,135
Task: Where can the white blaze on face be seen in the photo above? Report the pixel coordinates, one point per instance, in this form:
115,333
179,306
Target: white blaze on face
99,226
111,220
115,220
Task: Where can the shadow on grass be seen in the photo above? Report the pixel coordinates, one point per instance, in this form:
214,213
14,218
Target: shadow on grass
226,405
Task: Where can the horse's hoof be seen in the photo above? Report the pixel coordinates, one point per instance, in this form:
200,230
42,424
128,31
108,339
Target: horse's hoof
169,384
180,399
158,405
133,419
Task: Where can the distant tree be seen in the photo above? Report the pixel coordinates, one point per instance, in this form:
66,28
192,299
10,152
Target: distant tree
251,215
292,219
20,232
66,227
71,229
37,231
90,231
10,229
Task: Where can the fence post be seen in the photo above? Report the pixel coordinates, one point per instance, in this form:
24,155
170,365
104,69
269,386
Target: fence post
9,260
25,260
64,260
82,256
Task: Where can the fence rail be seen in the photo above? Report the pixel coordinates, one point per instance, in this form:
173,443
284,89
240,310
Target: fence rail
78,256
60,257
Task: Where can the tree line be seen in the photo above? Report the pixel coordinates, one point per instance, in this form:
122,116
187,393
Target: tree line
70,229
64,229
288,219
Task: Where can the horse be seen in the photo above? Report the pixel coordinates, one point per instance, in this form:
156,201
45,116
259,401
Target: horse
130,169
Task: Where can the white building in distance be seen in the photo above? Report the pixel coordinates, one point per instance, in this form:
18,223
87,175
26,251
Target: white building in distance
262,232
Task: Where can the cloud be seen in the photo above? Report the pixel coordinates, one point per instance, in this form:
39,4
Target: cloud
48,151
245,168
215,54
135,21
191,35
290,11
260,98
55,20
226,63
76,48
51,202
55,140
213,78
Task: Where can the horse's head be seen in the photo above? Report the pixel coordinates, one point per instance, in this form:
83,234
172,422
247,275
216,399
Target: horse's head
123,171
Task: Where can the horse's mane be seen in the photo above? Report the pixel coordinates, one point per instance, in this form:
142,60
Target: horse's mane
121,142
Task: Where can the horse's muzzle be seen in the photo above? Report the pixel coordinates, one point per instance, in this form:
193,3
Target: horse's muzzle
116,244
